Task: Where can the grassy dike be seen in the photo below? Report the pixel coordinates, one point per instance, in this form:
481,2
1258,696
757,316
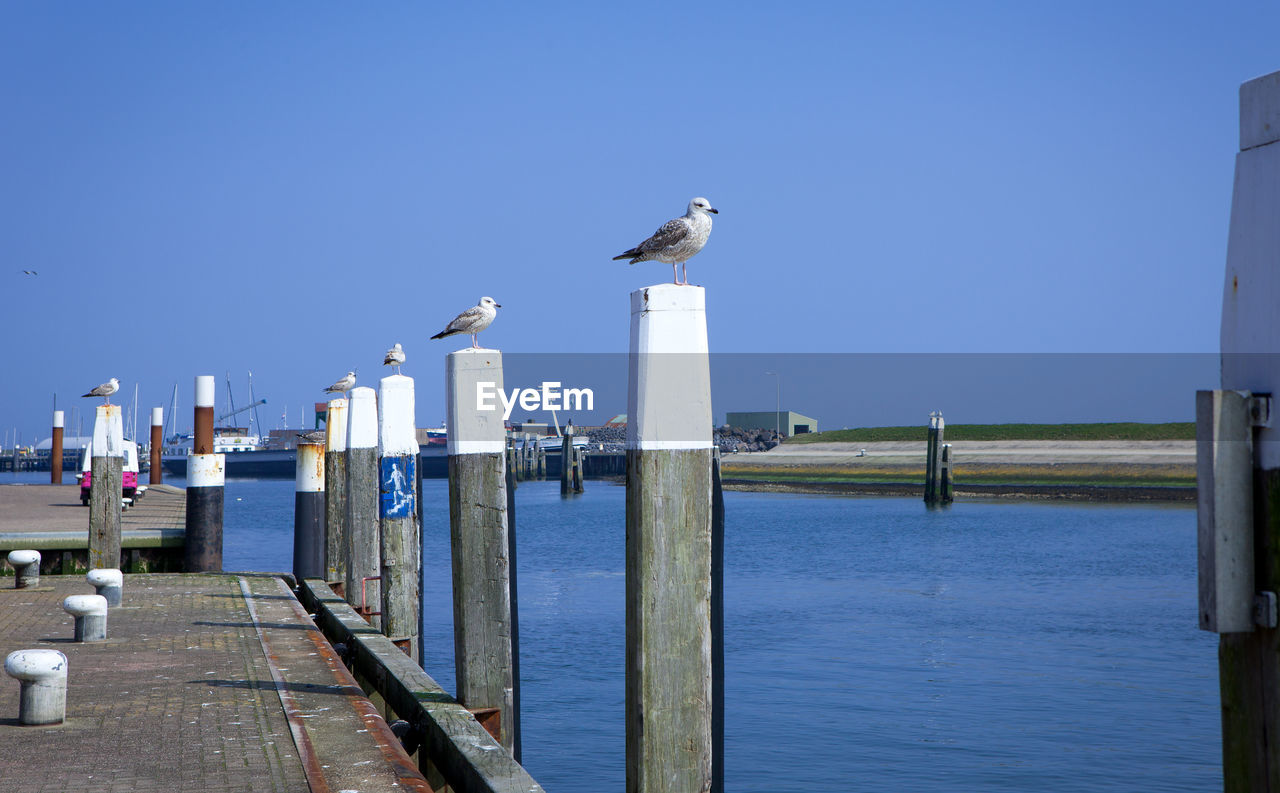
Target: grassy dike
1103,481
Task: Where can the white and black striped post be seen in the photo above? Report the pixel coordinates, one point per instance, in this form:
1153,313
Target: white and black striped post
399,532
481,538
362,550
335,493
206,478
308,511
669,692
105,487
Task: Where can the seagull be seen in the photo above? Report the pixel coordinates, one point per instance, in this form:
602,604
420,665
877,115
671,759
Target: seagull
395,357
105,390
342,386
473,320
30,272
676,241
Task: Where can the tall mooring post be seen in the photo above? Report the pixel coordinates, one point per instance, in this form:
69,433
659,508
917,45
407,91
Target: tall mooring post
105,487
155,474
55,448
401,538
937,466
1238,460
363,548
308,511
335,494
668,556
480,532
206,477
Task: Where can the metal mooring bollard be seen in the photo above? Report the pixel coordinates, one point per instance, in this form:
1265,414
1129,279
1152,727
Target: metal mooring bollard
108,582
26,568
43,674
90,612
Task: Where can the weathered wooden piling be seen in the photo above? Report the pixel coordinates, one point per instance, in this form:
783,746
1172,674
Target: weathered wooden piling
105,487
156,472
206,478
363,545
55,448
308,511
578,462
1238,460
335,493
566,461
401,538
513,462
937,467
717,626
480,535
668,556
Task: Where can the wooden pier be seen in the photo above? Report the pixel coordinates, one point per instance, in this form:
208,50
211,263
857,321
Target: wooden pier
221,682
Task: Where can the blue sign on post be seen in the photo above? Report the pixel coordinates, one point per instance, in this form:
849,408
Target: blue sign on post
398,478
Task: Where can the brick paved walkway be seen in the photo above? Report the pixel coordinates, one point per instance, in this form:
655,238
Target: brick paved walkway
190,693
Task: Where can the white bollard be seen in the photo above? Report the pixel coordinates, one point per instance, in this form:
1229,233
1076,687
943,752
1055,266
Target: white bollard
26,568
43,674
108,582
90,612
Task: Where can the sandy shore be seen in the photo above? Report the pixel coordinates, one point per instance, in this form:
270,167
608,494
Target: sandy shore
986,452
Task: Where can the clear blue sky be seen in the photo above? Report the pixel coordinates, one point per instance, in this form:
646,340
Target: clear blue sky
289,188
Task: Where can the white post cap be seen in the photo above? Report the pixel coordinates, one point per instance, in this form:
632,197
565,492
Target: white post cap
362,418
473,411
669,396
23,558
157,417
207,470
204,391
105,576
397,435
335,426
35,664
85,605
59,417
108,432
309,468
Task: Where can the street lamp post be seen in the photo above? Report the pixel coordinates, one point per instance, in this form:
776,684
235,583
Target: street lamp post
777,407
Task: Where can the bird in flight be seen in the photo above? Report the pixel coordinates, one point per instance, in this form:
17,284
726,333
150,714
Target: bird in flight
472,321
342,386
395,357
676,241
105,390
30,272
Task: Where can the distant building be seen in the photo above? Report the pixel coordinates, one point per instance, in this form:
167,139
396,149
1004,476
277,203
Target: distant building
787,422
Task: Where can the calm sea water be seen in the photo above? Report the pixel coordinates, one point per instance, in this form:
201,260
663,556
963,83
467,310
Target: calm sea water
869,642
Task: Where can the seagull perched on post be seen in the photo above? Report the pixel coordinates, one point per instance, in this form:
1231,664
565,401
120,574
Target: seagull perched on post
105,390
343,386
676,241
473,320
395,357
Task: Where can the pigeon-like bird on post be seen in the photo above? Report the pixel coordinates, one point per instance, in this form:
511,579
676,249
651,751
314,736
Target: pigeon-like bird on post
676,241
472,321
105,390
